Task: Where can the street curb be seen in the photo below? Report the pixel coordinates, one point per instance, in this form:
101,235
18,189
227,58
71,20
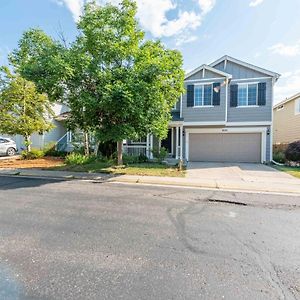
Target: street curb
144,180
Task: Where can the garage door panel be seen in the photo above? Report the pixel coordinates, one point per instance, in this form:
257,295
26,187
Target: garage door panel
229,147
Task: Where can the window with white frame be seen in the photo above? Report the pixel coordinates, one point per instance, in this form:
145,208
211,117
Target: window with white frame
297,108
203,95
247,94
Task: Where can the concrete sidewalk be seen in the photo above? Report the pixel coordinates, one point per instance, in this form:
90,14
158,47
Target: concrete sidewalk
254,184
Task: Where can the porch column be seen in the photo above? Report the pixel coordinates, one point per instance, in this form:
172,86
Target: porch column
177,142
181,141
172,141
151,146
147,146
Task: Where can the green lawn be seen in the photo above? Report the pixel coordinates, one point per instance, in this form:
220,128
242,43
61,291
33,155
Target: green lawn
147,169
294,171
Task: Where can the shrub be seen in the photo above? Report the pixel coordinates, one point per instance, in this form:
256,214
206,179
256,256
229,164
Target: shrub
143,158
79,159
33,154
49,150
292,153
130,159
134,159
279,157
161,154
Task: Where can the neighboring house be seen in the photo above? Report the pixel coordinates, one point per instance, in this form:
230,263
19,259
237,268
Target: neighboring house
225,115
287,120
59,132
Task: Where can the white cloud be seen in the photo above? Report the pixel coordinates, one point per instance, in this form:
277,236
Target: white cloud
182,39
152,15
75,7
255,3
287,86
206,5
286,50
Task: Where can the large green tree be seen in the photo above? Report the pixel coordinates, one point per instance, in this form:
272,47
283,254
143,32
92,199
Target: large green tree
114,81
23,110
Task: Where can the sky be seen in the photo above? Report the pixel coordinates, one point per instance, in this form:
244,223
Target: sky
262,32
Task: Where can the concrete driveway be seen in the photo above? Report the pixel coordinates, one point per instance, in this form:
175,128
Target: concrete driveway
237,175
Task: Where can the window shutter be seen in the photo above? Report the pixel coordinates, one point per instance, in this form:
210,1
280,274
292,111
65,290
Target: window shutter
234,95
190,96
262,93
216,96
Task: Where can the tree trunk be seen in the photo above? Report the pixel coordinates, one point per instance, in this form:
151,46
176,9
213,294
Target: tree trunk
120,153
86,143
27,143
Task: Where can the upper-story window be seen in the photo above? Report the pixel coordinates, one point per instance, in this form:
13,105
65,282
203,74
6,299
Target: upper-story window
297,110
203,95
247,94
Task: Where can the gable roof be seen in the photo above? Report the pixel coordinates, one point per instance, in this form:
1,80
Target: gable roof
209,68
245,64
287,100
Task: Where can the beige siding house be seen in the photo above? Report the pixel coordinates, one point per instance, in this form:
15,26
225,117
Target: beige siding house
287,120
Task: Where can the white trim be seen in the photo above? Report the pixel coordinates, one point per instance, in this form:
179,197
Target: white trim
203,106
175,123
204,83
254,78
246,106
180,106
297,106
151,146
176,149
181,142
216,79
271,126
265,123
172,141
245,64
209,68
147,145
140,143
226,98
187,146
203,123
262,130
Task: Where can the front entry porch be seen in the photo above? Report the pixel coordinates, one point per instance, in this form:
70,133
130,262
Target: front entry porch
174,142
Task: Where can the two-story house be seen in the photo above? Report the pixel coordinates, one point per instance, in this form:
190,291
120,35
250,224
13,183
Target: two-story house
287,120
226,114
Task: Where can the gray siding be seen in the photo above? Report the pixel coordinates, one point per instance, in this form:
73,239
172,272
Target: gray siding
235,114
238,71
207,74
252,114
204,114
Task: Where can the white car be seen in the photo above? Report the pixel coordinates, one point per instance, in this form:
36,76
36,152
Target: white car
7,147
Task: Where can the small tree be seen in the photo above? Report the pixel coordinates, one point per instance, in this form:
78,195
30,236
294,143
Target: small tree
22,109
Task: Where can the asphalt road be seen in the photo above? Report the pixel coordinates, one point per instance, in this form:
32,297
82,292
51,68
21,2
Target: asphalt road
85,240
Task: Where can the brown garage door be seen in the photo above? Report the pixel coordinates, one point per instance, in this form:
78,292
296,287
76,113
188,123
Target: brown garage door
225,147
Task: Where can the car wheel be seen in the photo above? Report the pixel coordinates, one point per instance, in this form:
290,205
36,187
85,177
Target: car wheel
11,151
